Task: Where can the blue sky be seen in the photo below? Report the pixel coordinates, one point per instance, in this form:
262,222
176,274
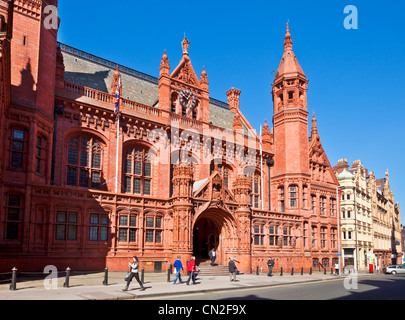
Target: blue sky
356,76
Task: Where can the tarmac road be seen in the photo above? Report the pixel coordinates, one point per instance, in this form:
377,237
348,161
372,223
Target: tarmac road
377,287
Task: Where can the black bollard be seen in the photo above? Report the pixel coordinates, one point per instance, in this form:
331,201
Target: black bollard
168,275
143,275
257,271
13,285
302,271
324,272
66,284
310,270
281,271
292,271
105,282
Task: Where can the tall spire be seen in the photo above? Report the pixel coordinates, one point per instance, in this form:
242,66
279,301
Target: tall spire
314,131
289,65
287,39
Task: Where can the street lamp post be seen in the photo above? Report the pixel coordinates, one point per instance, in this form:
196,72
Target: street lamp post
338,223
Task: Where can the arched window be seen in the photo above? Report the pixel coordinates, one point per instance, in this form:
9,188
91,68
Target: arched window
332,207
224,170
127,228
322,206
258,230
137,171
255,191
19,142
40,155
281,199
84,163
153,229
14,216
293,196
304,196
273,235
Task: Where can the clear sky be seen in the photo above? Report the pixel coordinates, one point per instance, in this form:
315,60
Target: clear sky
357,77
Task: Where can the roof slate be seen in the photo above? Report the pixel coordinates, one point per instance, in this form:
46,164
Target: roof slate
93,73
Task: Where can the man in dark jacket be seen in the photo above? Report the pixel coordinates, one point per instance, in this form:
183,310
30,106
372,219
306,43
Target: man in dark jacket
232,269
270,264
213,255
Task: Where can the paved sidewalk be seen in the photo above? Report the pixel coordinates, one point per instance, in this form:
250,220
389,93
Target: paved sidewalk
156,286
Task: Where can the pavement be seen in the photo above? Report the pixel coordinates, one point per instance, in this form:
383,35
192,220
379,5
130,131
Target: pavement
90,286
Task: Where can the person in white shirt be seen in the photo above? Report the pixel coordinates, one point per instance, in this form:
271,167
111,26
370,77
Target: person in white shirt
134,274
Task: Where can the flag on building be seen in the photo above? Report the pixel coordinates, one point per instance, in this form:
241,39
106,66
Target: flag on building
117,97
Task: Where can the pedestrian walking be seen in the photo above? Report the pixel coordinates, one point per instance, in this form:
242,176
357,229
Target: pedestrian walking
179,266
232,269
134,274
270,264
213,255
337,268
192,268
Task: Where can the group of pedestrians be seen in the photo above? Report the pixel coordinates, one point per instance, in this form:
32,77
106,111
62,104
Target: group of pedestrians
191,270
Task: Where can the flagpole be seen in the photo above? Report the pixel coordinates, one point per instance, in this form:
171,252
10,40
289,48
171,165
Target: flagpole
118,94
117,156
261,167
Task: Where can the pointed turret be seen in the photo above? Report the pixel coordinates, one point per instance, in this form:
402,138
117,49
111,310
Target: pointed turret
164,65
290,121
290,85
266,136
314,131
204,80
289,65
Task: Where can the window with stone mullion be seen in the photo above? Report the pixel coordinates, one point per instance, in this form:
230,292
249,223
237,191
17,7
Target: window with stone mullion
84,163
137,172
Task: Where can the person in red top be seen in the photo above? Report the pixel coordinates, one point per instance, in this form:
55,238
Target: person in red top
192,268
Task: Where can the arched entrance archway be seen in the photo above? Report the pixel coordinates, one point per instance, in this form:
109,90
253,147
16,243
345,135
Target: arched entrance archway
214,228
205,237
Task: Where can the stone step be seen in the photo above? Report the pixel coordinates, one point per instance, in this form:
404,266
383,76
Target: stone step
216,269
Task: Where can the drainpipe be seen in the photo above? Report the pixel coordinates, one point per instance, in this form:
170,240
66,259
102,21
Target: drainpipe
57,111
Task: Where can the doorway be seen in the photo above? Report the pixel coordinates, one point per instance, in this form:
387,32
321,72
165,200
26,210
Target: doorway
206,235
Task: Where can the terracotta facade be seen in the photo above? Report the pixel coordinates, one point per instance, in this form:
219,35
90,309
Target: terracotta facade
191,171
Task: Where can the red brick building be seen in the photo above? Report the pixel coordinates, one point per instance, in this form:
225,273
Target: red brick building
181,173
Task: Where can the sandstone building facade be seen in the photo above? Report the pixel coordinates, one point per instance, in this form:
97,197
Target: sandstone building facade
371,227
180,174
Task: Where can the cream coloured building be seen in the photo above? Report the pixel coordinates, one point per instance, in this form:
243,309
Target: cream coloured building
356,214
386,222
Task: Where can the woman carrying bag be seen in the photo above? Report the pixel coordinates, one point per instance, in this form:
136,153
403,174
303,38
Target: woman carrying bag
133,274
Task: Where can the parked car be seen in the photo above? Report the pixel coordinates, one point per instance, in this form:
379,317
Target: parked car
394,269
